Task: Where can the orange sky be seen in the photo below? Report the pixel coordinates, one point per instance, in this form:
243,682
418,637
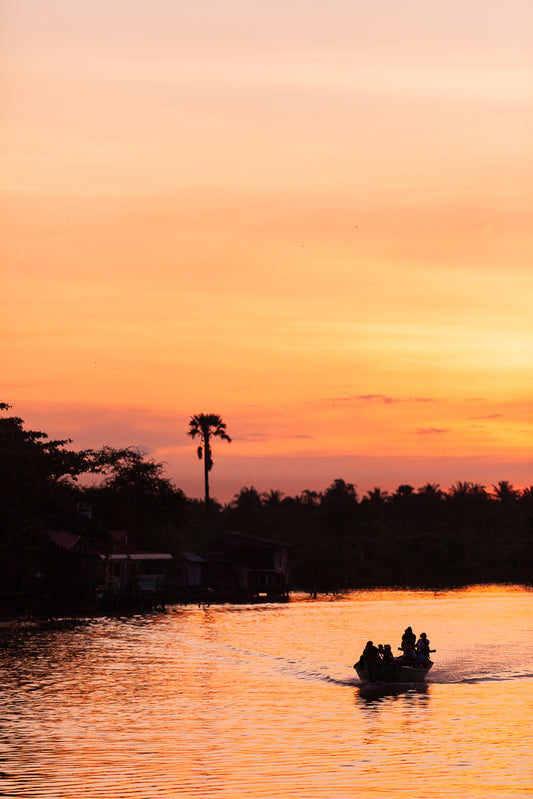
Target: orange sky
314,220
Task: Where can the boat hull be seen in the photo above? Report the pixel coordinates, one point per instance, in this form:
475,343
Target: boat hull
394,672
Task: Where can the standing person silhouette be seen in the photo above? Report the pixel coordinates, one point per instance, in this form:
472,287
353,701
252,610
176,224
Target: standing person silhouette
408,644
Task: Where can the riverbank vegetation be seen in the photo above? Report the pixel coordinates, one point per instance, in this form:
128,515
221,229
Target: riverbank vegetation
422,537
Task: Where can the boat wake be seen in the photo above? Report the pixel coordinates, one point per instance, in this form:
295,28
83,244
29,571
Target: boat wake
341,674
442,678
473,679
320,674
350,683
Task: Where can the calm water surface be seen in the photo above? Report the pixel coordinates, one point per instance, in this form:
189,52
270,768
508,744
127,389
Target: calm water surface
262,701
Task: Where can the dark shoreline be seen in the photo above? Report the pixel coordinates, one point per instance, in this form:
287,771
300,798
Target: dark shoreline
59,612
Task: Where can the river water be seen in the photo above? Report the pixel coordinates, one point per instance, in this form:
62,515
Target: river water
262,701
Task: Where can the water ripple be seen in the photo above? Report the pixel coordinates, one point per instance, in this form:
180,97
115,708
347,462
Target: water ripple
251,702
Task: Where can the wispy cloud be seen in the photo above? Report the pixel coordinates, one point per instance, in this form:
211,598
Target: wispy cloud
383,399
490,416
421,399
265,437
377,398
430,431
252,437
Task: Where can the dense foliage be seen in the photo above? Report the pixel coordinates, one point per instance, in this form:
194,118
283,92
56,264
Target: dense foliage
423,537
420,538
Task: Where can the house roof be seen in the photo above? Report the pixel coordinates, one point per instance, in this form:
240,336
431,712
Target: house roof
254,539
191,557
64,539
121,548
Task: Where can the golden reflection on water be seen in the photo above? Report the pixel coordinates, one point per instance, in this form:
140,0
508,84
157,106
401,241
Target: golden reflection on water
262,701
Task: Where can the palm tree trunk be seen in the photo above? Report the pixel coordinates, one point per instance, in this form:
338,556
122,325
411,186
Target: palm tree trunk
206,472
207,508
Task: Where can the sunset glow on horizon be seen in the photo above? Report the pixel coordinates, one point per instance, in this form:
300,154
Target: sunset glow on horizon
312,220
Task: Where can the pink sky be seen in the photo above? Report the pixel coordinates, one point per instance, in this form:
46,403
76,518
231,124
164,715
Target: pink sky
314,220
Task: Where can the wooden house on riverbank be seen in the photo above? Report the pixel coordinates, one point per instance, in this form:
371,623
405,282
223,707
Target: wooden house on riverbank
248,568
120,565
122,575
113,575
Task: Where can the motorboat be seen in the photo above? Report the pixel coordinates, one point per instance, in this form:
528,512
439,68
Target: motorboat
396,670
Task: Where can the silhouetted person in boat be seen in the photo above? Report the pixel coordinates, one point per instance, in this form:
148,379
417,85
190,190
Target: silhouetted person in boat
370,652
408,639
408,644
422,646
388,657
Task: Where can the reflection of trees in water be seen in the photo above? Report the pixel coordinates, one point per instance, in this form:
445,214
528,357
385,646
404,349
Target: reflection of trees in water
46,654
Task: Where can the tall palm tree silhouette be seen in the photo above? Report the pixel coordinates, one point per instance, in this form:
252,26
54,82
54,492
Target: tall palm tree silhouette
205,426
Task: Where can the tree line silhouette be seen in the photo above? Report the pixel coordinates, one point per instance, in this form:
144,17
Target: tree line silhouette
422,537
